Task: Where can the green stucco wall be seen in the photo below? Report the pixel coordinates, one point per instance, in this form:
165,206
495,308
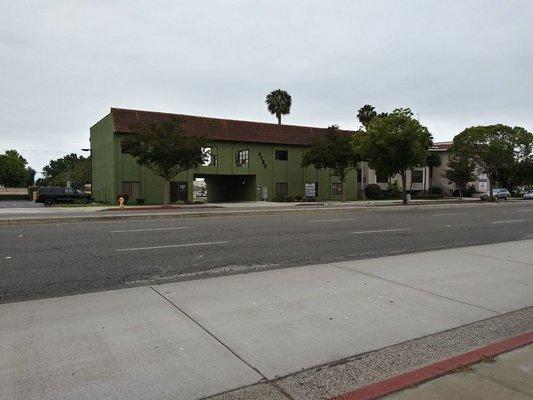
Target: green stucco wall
111,168
103,156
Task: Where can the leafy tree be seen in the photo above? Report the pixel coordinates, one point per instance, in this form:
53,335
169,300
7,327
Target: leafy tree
71,167
165,149
460,171
332,151
394,144
279,103
524,172
30,176
494,148
13,172
78,175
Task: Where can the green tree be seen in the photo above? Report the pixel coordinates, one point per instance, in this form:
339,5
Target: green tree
78,175
13,172
332,151
366,114
279,103
523,173
494,148
165,149
71,167
460,171
30,176
394,144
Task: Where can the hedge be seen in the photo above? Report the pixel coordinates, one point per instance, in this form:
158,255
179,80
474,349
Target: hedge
14,197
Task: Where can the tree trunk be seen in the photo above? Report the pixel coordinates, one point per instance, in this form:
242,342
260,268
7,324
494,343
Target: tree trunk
425,179
166,194
491,197
279,118
460,194
343,182
404,187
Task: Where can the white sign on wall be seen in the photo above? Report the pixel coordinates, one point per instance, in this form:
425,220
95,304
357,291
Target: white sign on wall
483,183
310,189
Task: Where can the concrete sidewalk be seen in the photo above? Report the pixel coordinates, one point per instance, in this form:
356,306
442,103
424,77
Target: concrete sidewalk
190,340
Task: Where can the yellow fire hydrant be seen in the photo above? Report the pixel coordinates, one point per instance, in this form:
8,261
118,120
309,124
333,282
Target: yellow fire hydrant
121,202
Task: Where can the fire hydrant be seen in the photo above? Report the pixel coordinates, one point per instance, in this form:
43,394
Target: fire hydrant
121,202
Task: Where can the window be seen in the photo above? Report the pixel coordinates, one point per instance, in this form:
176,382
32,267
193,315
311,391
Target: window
382,177
132,189
242,158
336,189
282,188
282,155
418,176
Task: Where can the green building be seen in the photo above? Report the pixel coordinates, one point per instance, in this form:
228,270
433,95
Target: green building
249,161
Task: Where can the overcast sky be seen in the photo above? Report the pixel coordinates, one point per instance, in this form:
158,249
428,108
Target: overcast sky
65,63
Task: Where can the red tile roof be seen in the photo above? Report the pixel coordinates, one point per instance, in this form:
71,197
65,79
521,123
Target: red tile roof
442,146
222,129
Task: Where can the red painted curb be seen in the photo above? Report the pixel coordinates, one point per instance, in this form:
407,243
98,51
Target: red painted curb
440,368
142,208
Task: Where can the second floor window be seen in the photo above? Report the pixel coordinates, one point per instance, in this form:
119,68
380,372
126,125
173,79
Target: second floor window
242,159
282,155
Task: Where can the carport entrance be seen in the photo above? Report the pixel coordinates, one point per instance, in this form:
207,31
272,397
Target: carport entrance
227,188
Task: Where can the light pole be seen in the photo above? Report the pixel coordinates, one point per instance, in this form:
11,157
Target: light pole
90,155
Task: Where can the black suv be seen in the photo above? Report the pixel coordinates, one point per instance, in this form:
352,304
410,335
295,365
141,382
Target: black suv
49,195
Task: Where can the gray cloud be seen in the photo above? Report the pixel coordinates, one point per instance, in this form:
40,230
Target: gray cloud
64,63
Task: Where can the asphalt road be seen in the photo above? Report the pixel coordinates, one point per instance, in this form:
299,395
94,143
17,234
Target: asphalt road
39,261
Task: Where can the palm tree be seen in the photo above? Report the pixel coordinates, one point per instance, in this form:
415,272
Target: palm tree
366,114
279,103
432,161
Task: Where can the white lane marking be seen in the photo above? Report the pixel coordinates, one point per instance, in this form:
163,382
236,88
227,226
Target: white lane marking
150,229
525,210
170,246
333,220
508,221
443,215
382,230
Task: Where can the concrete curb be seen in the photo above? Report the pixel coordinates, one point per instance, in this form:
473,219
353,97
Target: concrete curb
230,213
436,370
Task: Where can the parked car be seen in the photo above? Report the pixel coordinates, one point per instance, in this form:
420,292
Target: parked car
2,187
49,195
528,195
497,194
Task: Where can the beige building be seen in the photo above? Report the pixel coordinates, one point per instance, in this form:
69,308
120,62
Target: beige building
421,179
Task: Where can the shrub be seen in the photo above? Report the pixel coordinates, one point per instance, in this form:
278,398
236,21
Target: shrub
13,197
394,189
278,198
288,199
298,198
372,191
436,190
140,201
